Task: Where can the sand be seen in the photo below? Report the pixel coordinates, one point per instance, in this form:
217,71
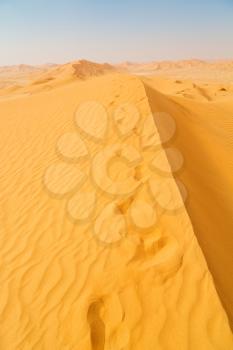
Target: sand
204,114
99,226
196,70
12,76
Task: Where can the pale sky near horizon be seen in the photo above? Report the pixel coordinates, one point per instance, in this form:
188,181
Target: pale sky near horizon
36,32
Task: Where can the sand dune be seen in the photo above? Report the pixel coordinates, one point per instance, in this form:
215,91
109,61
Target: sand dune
205,137
157,65
196,70
35,79
98,250
21,75
75,70
182,64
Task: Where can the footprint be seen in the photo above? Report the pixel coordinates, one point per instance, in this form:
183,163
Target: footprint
161,254
97,326
108,329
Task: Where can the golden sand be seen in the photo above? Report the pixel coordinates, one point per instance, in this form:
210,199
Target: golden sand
204,118
101,204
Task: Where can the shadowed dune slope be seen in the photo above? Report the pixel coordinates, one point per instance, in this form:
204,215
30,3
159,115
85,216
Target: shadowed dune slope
204,134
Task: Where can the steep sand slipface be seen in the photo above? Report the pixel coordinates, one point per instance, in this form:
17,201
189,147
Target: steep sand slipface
204,120
97,249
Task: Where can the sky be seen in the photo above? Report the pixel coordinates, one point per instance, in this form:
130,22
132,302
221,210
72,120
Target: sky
58,31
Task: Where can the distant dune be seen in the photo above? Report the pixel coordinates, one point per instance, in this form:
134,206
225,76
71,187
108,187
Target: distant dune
75,70
55,75
198,70
116,207
21,75
22,68
182,64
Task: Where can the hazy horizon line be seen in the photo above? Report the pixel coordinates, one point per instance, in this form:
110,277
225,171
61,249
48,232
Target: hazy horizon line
118,62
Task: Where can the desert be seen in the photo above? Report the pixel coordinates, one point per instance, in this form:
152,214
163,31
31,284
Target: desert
116,206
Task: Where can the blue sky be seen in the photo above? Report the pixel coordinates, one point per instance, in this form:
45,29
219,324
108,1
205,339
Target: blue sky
44,31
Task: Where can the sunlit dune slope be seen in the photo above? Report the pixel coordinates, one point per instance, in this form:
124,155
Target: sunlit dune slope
204,120
97,249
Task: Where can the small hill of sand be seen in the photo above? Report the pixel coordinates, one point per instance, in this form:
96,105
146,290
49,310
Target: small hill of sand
98,251
21,75
45,77
157,65
21,68
75,70
182,64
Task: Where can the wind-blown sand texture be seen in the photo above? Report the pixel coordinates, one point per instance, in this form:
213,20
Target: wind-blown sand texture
98,251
